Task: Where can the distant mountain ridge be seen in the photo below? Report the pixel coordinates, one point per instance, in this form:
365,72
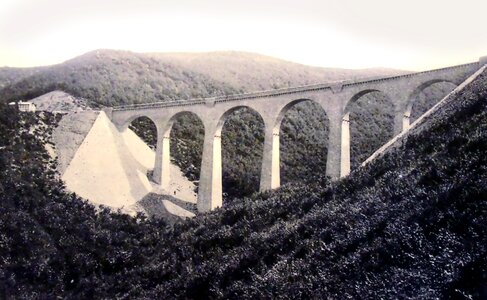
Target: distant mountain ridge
111,77
254,72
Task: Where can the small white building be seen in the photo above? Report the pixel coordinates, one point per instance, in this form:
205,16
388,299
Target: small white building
25,106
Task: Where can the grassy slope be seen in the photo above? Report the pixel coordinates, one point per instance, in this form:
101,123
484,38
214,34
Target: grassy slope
411,224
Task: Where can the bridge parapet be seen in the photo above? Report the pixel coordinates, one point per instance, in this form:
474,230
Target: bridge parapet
376,80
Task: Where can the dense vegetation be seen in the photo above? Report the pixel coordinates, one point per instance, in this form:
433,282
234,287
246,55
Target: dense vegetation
412,224
429,97
53,242
371,126
107,77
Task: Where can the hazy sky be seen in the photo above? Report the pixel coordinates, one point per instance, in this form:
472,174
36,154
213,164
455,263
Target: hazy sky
414,34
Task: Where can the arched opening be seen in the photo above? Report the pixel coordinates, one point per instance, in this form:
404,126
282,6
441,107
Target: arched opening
242,139
367,124
180,155
303,133
424,98
146,129
187,134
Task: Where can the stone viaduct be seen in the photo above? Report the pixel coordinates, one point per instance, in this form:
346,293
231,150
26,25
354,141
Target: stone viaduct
335,99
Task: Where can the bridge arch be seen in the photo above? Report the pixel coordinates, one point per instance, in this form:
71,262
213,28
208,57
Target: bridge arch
356,97
166,130
408,117
164,149
381,104
291,134
134,117
241,130
226,114
283,111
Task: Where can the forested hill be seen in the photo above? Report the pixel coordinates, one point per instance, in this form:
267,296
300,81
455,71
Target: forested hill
112,77
253,72
410,225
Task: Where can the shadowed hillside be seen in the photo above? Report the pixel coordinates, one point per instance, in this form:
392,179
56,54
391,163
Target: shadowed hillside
411,224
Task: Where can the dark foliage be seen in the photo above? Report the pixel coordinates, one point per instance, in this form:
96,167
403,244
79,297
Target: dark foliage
371,126
429,97
412,224
53,242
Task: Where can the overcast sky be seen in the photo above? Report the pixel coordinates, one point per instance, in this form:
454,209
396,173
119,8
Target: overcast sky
412,35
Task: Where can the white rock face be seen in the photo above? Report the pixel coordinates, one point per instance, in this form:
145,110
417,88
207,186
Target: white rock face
105,171
70,134
110,168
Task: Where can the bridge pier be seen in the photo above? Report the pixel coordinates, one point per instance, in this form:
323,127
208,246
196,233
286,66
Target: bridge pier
162,163
334,158
401,121
345,146
210,185
406,120
270,177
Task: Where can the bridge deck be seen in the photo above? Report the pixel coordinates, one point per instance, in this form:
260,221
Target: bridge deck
277,92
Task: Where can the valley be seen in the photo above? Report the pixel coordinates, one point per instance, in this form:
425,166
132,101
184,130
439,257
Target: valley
411,222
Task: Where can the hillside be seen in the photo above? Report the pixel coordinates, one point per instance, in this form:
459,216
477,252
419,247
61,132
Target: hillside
411,224
59,101
10,76
253,72
110,77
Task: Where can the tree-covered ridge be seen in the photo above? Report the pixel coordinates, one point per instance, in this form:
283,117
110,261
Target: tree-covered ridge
109,77
411,224
253,72
10,76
